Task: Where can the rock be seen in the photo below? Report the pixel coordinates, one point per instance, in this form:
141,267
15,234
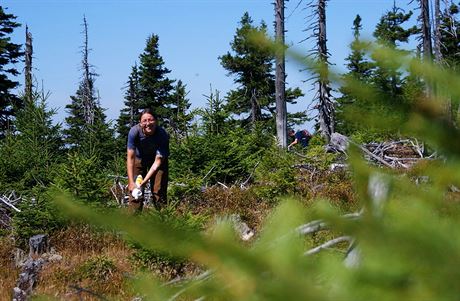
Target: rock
54,258
20,257
239,226
338,166
19,294
27,278
338,143
38,246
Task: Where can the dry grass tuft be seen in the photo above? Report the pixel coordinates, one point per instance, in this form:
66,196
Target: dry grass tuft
337,187
218,200
8,272
91,260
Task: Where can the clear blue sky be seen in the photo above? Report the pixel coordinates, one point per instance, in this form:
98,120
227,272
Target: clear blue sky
192,33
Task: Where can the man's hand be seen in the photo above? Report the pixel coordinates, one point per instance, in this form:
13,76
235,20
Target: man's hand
131,186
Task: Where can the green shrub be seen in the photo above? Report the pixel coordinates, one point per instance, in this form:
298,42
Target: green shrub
185,188
231,156
275,176
82,176
38,215
166,264
98,269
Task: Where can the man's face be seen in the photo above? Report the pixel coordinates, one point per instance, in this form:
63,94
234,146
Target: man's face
148,123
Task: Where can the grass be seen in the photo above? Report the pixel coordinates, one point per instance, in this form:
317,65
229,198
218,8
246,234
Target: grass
92,260
8,272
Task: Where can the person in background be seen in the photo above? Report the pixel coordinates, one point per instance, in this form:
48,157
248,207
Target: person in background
147,155
302,137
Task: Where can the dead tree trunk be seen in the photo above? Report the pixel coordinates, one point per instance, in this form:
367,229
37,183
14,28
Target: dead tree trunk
426,30
280,76
28,66
326,107
256,112
88,81
437,32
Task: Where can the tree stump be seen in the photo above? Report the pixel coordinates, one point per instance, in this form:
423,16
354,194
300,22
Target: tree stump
38,244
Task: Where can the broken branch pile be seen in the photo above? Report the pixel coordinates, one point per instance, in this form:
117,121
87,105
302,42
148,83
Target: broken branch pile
9,202
395,154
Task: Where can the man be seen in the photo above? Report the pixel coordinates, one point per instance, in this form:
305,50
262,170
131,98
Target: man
302,137
147,155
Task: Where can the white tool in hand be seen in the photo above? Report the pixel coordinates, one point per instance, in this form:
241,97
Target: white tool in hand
137,192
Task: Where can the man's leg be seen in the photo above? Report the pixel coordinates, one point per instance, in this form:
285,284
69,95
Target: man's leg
135,206
160,187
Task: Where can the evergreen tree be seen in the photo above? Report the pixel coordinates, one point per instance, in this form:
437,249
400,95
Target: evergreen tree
129,113
180,121
10,53
252,67
390,33
449,41
95,138
155,86
359,68
215,115
450,36
29,156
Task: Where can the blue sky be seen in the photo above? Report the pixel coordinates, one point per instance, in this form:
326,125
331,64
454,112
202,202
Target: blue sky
192,35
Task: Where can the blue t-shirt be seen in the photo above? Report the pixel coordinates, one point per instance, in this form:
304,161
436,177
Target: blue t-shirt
303,137
148,147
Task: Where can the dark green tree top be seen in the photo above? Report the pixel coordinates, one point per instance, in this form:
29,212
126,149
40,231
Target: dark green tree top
358,64
389,31
180,121
252,68
10,53
359,68
450,36
129,113
155,86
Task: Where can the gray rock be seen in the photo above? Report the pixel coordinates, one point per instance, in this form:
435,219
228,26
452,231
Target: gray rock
338,143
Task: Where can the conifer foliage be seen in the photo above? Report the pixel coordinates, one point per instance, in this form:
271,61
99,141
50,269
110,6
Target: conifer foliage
128,114
148,86
181,119
253,68
155,86
390,32
10,53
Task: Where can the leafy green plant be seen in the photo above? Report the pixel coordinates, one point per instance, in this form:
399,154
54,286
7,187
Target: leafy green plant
228,157
164,263
38,215
275,176
82,176
29,155
99,268
185,188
